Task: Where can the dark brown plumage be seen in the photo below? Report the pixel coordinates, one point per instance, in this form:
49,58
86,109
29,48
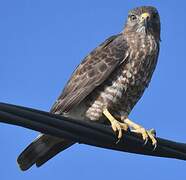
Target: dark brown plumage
108,82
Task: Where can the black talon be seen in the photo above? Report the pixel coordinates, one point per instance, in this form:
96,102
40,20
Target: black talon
146,141
155,146
118,141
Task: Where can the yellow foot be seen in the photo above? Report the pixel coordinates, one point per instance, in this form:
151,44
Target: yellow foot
115,124
118,127
146,135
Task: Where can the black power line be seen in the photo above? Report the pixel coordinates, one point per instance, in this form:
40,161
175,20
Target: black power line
95,134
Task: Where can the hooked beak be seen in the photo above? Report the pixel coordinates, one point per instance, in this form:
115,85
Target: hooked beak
145,20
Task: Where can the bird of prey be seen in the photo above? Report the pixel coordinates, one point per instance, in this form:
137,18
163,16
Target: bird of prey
106,85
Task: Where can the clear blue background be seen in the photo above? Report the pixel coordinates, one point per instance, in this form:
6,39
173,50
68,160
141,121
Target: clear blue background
42,41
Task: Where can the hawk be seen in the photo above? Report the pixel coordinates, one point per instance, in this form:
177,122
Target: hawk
106,85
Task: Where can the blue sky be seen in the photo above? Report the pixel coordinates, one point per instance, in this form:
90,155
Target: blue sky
42,41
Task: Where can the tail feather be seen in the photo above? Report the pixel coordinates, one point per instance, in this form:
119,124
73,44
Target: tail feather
55,150
41,150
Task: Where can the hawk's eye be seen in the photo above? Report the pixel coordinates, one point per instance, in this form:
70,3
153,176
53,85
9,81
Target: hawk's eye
154,16
133,17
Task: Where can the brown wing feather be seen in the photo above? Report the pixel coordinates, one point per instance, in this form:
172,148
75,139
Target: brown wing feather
92,72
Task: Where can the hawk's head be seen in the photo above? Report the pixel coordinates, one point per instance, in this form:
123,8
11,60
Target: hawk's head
144,20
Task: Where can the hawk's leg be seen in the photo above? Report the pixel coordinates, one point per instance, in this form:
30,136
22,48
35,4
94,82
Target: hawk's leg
146,134
116,125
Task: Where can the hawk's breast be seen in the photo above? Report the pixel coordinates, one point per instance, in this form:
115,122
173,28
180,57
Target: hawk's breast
124,87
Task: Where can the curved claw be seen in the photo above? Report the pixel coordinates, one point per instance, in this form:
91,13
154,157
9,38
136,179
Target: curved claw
152,137
118,127
155,146
146,141
146,135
